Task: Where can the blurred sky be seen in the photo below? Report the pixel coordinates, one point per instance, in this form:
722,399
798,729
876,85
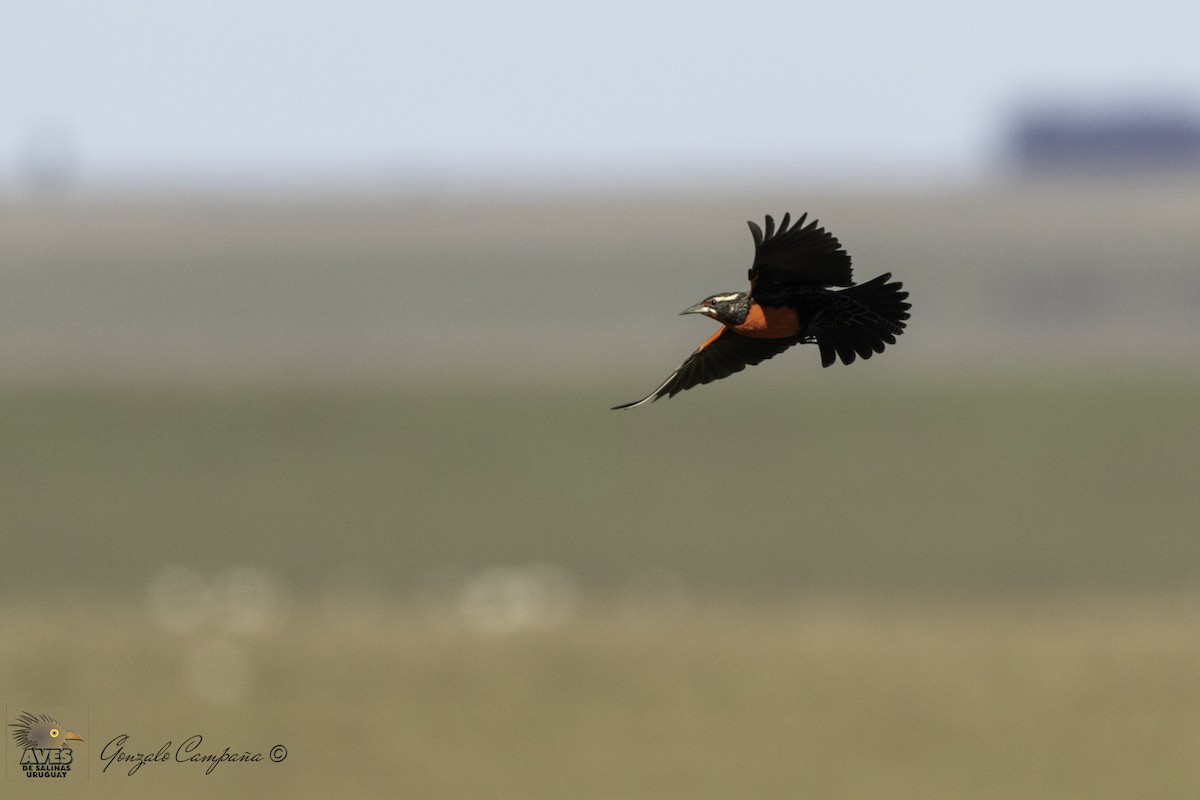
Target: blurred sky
218,91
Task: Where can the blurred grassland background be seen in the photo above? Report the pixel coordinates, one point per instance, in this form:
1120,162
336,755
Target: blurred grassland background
341,474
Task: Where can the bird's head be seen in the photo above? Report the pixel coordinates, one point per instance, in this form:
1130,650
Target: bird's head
730,309
42,732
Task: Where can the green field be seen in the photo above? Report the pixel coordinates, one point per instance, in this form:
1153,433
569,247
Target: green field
250,489
864,483
979,591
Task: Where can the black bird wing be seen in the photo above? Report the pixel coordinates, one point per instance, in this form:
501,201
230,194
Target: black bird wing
721,355
857,321
793,256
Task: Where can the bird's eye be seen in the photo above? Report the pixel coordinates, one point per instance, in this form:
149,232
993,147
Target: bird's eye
54,733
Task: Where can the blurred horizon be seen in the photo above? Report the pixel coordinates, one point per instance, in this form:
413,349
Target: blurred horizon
132,96
1025,276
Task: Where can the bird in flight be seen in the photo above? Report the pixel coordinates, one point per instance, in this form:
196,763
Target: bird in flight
789,303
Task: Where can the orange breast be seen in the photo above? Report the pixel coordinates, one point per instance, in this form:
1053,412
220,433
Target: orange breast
769,322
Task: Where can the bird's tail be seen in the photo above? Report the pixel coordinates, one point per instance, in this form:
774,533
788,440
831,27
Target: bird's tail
862,320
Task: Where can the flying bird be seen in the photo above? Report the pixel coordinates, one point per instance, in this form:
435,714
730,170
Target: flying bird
789,303
41,732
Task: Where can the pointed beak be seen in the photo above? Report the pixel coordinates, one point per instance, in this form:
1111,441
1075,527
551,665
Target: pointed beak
72,735
696,309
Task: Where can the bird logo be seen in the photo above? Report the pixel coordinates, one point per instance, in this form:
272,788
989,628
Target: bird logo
790,302
41,733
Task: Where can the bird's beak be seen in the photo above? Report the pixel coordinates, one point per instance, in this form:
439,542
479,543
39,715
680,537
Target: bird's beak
696,309
72,735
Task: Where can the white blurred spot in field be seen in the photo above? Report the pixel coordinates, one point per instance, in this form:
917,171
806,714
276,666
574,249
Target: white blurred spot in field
247,599
181,600
500,600
217,670
654,598
238,602
241,600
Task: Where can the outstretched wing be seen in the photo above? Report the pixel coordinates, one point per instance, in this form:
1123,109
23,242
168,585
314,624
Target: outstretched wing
721,355
799,255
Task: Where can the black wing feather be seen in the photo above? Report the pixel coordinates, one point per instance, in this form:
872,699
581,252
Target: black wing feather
796,255
718,358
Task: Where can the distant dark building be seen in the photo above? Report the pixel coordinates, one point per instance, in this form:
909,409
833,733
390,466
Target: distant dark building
1126,141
